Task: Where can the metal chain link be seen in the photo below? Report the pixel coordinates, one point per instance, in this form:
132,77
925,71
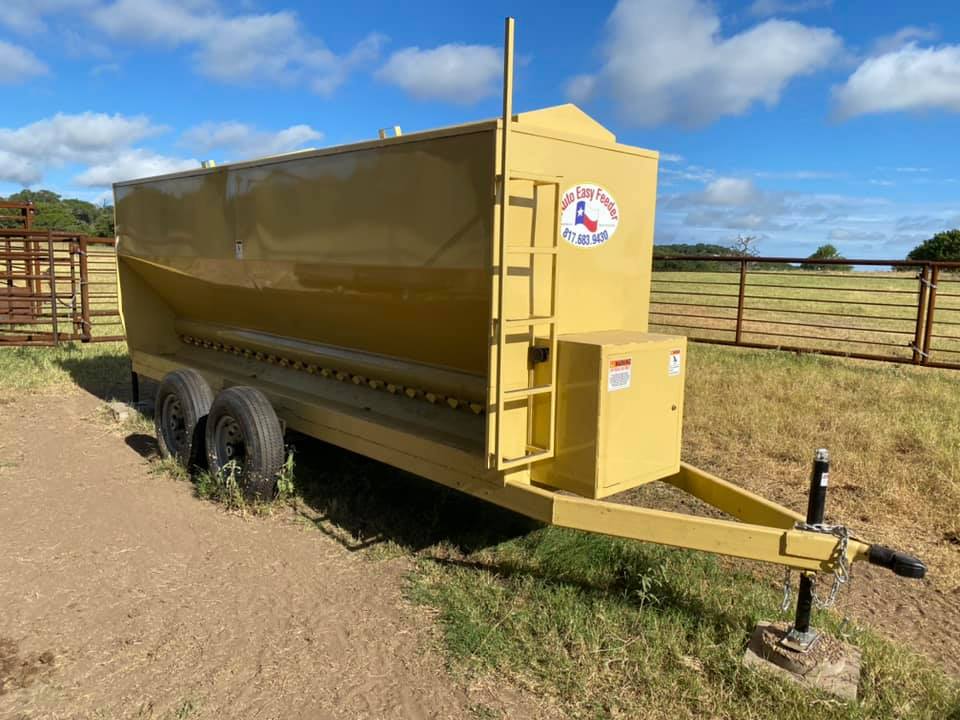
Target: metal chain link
841,572
785,603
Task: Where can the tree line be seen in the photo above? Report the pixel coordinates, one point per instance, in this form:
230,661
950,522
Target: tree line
54,212
942,247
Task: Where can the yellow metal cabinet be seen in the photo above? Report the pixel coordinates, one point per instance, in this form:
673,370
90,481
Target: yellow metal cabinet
619,411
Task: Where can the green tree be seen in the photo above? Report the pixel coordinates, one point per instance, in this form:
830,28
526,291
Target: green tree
103,224
67,214
942,246
827,252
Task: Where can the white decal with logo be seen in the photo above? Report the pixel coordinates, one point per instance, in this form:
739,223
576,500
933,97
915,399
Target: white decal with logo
588,215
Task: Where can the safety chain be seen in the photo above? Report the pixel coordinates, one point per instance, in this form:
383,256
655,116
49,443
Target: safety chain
841,573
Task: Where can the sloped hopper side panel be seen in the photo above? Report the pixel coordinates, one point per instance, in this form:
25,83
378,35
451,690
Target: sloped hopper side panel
382,249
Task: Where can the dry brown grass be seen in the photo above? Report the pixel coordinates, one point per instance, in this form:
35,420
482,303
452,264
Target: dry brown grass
755,417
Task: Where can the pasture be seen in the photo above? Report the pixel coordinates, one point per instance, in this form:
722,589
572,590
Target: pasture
864,312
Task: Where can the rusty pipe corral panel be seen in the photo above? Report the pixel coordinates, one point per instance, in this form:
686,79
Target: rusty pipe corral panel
54,286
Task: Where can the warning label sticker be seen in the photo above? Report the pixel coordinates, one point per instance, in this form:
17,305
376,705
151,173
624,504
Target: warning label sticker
674,367
618,377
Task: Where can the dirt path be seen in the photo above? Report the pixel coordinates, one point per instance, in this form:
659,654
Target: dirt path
122,595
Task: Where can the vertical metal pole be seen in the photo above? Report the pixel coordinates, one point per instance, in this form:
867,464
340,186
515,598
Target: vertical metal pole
504,202
77,326
801,636
34,282
8,251
84,291
53,288
922,292
134,387
931,307
743,287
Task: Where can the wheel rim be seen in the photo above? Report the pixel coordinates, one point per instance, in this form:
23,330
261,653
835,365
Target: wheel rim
228,441
173,425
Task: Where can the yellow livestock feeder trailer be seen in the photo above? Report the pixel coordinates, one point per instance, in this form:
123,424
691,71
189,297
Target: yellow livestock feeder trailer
468,304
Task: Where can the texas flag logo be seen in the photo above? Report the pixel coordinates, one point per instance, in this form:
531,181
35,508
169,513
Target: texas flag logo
583,216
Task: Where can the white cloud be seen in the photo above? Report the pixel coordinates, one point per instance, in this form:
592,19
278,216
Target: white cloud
240,49
18,63
18,169
798,174
244,141
730,192
909,79
454,73
765,8
76,138
791,223
732,203
903,36
668,62
82,46
162,21
28,151
130,165
25,17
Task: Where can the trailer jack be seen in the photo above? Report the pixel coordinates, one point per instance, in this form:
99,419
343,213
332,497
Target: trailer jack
767,532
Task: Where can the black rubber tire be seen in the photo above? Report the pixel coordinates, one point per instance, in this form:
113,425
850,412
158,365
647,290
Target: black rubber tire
188,392
261,436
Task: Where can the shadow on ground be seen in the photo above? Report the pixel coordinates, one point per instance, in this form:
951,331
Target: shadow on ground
105,375
145,445
374,503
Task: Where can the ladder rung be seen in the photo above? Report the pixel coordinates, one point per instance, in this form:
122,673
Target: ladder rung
527,322
530,250
528,391
524,459
537,178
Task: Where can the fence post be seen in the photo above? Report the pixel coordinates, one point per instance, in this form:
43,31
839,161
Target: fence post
743,287
931,307
52,270
84,291
74,253
922,292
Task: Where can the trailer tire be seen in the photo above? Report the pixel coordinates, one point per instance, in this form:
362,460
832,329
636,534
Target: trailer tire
179,417
242,427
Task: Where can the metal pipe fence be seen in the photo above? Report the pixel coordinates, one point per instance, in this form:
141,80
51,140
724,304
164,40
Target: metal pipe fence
900,311
55,287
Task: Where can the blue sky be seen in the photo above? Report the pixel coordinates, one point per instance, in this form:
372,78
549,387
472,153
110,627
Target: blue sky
797,121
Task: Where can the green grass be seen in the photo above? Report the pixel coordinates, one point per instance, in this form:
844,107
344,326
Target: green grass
616,629
98,367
